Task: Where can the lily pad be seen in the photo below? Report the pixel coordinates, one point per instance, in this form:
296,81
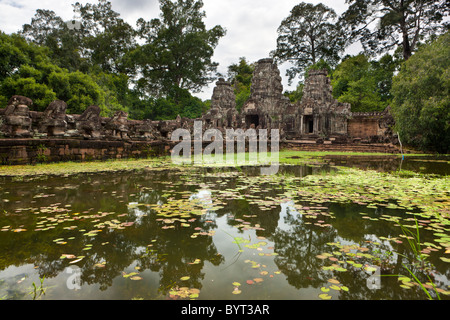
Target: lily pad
335,287
325,296
236,291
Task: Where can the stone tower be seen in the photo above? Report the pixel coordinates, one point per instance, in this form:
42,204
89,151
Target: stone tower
222,113
267,104
320,113
223,96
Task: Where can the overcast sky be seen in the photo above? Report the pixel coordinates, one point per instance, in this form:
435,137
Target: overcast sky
251,24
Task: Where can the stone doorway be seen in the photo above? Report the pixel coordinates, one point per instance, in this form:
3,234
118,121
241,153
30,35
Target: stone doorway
309,124
252,119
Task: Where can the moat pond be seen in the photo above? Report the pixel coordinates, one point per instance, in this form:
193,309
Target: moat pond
313,231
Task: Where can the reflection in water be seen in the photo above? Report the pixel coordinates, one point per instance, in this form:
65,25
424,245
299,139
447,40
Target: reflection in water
177,234
423,164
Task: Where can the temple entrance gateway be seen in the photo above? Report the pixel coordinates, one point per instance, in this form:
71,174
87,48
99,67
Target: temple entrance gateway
252,119
309,124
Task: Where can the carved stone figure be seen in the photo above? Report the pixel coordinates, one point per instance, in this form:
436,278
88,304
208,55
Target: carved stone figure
54,119
89,123
118,126
17,119
317,118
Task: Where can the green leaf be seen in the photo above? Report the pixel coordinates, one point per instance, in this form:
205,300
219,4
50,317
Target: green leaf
335,287
236,291
324,296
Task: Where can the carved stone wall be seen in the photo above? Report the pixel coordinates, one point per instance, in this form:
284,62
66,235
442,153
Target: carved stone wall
223,113
267,104
320,113
318,118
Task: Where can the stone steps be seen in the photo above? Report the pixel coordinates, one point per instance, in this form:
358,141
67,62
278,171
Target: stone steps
308,145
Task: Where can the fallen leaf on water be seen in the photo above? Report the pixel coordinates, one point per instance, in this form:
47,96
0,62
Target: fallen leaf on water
236,291
185,278
324,296
100,265
250,282
75,261
127,275
333,281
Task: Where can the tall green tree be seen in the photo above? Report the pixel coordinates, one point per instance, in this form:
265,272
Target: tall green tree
421,91
383,25
178,49
27,69
49,30
364,84
96,43
106,36
240,76
310,33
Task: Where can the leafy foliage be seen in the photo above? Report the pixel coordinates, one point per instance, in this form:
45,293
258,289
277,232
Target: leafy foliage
240,76
384,25
106,37
364,84
32,74
178,49
98,61
310,33
421,92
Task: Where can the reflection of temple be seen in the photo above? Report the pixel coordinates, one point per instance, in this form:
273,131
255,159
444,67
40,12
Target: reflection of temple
317,116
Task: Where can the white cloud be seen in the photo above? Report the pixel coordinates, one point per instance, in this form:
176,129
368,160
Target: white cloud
251,24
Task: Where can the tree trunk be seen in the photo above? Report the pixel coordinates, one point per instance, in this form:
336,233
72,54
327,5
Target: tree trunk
406,47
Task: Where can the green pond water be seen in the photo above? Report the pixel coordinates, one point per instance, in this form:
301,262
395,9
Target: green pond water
211,233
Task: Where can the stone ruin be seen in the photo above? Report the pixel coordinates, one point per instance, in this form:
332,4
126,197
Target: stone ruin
16,118
223,113
317,119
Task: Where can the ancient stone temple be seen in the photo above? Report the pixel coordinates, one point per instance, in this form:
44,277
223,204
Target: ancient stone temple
267,104
319,113
223,113
318,121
